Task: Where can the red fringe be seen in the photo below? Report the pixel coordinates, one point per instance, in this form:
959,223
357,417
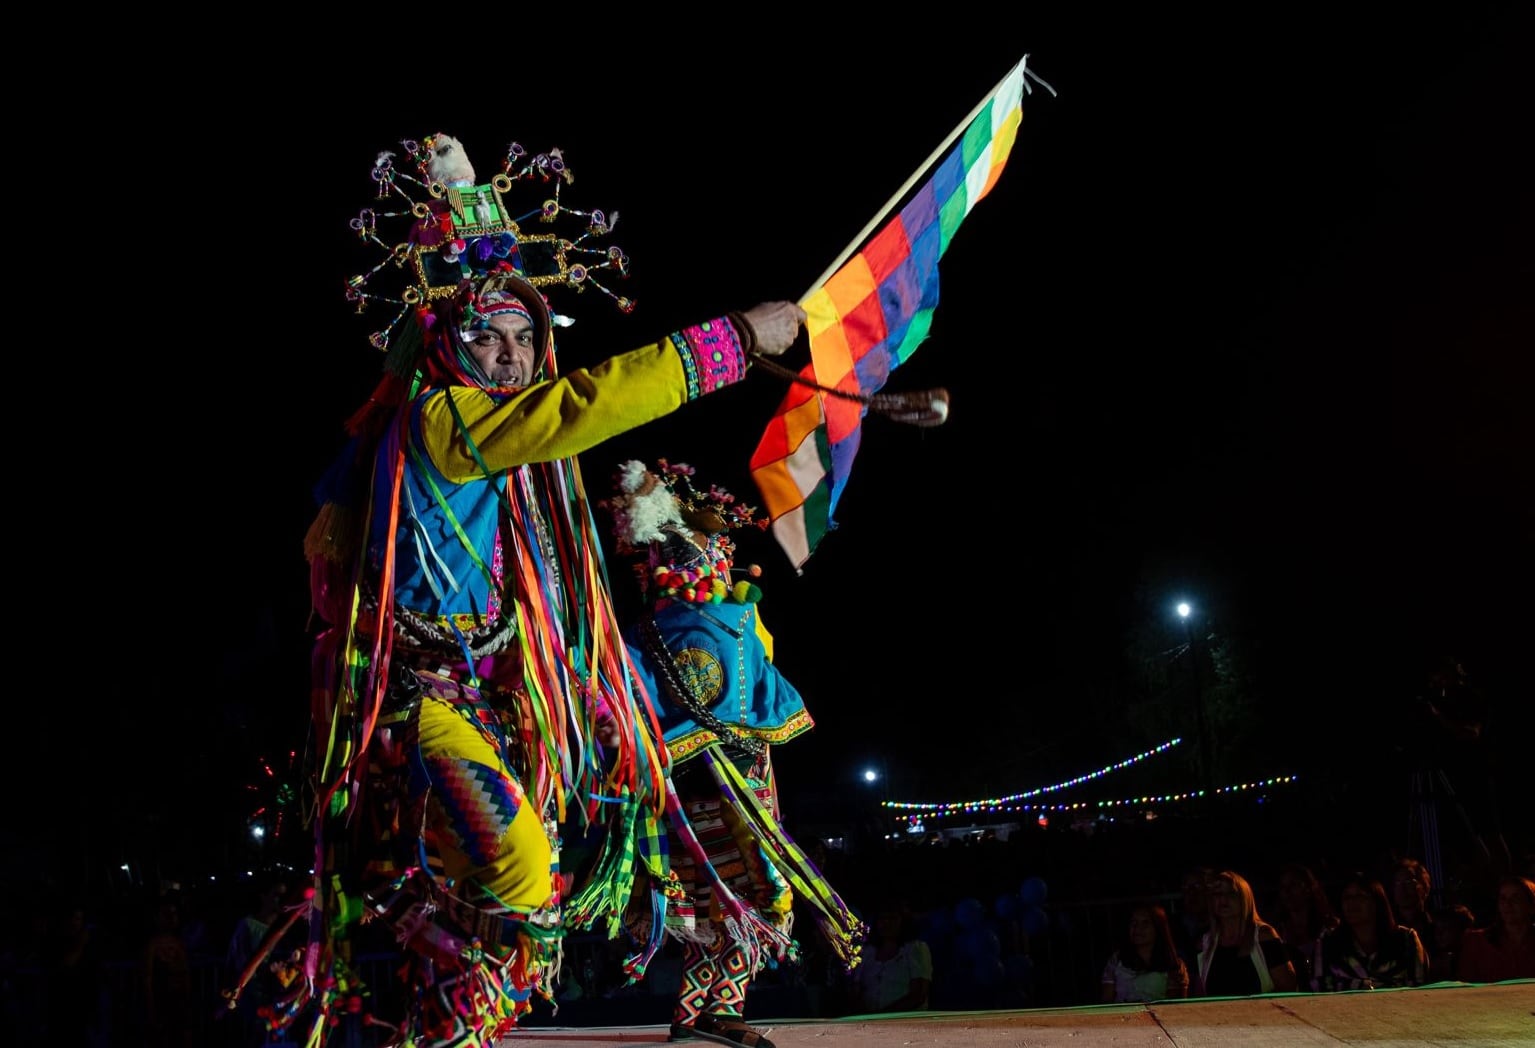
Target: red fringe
369,420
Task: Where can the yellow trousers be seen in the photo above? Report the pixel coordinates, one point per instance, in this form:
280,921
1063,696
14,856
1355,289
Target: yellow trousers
478,816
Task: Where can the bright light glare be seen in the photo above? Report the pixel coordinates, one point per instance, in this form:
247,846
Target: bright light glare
1183,610
870,775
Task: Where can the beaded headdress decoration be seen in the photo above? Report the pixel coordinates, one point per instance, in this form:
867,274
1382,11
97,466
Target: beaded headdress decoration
635,532
694,569
732,513
452,229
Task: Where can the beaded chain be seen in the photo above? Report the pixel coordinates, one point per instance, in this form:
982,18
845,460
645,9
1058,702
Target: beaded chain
682,693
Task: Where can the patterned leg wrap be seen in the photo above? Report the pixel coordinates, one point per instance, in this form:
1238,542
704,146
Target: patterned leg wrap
733,973
698,976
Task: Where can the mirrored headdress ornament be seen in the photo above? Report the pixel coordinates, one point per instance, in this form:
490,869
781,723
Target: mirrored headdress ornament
448,231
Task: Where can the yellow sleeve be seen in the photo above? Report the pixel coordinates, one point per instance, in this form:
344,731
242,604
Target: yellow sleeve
555,419
764,636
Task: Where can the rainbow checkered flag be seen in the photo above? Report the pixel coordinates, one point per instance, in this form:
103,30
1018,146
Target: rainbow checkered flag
868,317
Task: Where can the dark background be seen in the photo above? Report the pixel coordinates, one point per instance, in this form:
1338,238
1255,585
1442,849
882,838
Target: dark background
1246,321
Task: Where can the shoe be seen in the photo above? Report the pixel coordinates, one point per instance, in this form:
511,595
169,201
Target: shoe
728,1030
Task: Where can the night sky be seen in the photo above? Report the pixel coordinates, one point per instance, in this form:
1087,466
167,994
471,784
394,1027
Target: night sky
1246,321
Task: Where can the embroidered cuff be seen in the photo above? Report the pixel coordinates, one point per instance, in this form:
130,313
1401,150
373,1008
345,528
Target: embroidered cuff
712,356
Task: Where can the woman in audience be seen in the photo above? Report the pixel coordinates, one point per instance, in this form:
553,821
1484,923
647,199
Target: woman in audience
896,974
1304,914
1409,886
1191,920
1369,949
1146,965
1506,948
1242,954
1450,926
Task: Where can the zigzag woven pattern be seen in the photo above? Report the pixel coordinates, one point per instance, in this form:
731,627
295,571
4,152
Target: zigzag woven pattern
479,803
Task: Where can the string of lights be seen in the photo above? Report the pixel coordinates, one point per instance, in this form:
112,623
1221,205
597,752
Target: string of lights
1108,805
998,803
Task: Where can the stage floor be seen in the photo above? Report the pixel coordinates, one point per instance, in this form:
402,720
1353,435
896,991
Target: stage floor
1501,1015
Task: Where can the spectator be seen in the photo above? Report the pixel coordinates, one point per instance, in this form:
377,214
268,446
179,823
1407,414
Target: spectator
1369,949
1304,914
1241,953
77,1000
1411,886
1145,966
1505,949
167,973
260,987
1450,926
1193,917
897,970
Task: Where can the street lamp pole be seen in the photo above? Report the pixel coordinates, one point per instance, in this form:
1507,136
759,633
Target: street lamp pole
1205,771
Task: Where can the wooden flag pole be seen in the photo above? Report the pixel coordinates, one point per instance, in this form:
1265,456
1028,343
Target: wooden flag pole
899,193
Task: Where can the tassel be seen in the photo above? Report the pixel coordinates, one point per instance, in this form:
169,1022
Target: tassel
927,407
332,535
636,963
610,885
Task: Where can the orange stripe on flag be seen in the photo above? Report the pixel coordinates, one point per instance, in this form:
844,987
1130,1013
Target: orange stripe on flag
830,355
850,285
777,488
801,420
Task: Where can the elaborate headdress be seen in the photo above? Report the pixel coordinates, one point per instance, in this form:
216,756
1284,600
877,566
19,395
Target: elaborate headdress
454,243
462,230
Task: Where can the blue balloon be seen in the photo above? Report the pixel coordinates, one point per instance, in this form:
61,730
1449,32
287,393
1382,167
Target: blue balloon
981,944
969,913
1007,906
936,924
1035,920
1033,891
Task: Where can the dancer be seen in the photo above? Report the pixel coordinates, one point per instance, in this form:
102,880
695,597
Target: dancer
726,872
469,639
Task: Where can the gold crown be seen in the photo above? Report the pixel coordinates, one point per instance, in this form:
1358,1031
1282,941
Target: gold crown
464,230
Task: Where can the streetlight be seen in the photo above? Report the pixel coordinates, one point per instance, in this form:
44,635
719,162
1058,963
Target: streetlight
1185,610
876,775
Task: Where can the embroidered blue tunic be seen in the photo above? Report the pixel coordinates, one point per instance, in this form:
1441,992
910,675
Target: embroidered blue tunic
721,657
